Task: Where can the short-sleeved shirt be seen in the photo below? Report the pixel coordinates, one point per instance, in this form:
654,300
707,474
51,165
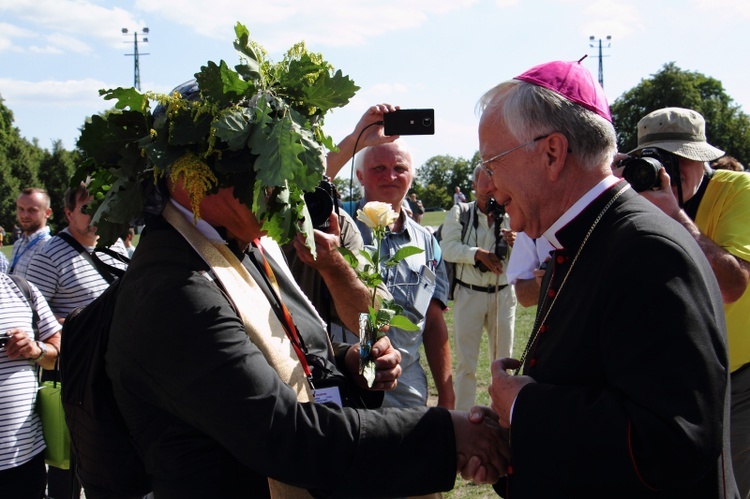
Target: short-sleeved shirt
4,265
66,279
403,281
526,256
724,217
25,248
20,429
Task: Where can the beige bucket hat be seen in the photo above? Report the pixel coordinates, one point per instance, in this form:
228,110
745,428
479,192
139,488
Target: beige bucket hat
679,131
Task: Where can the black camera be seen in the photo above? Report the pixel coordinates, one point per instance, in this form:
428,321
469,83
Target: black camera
495,209
501,247
321,203
642,172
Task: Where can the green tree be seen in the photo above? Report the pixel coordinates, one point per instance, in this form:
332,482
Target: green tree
438,177
18,165
348,192
56,168
727,126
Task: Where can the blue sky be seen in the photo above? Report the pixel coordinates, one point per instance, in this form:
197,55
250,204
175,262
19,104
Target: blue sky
56,54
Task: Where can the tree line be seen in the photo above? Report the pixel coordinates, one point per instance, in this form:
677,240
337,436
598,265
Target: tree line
24,163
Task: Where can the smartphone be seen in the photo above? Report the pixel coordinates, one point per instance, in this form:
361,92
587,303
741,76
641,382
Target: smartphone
409,122
4,339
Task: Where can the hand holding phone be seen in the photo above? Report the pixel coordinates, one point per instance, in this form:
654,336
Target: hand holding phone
4,338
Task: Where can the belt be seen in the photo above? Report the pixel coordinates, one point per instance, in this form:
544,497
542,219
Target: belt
483,289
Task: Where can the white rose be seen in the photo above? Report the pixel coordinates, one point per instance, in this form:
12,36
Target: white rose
376,214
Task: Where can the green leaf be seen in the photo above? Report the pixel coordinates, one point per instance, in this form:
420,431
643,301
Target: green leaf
234,127
404,252
127,97
187,129
251,69
221,85
350,257
329,92
401,322
103,138
367,256
277,153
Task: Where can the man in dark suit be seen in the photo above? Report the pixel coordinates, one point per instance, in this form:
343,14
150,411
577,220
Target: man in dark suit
623,385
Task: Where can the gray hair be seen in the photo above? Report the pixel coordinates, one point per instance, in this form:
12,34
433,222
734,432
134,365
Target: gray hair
476,171
528,111
359,158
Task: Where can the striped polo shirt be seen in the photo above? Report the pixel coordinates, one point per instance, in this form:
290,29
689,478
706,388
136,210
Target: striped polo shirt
21,435
25,248
66,279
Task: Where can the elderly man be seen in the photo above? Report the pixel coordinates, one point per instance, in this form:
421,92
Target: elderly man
622,390
220,365
714,207
386,172
476,237
32,211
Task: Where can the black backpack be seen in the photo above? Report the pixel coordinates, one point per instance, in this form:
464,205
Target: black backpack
464,216
107,463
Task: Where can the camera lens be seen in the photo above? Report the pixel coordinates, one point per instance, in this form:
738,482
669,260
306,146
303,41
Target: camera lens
641,173
320,205
426,122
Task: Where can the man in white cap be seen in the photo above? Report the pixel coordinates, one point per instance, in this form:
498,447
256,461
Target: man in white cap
714,207
623,391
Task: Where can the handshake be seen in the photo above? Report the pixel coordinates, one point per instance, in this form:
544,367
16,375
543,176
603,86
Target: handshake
482,447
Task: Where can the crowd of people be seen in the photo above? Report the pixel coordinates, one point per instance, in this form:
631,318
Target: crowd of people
235,361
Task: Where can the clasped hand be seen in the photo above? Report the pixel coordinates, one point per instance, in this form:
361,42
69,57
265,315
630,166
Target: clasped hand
482,449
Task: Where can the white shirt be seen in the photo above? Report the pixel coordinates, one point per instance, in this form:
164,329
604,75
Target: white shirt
526,256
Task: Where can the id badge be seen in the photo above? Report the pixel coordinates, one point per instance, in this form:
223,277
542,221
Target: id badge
328,394
422,294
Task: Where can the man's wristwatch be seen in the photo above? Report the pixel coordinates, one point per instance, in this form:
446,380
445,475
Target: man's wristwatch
43,348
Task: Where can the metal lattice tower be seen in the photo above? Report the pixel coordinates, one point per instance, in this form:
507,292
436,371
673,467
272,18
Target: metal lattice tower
136,54
592,40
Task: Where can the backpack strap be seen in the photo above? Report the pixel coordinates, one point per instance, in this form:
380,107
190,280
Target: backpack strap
108,272
25,288
464,216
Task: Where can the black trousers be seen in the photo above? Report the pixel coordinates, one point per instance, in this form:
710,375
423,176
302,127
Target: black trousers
27,481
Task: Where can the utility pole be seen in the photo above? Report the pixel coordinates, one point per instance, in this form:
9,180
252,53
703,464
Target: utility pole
592,40
135,54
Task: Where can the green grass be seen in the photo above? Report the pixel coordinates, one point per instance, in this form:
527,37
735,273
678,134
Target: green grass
524,322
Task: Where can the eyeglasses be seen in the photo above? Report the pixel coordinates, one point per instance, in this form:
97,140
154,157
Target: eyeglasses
486,162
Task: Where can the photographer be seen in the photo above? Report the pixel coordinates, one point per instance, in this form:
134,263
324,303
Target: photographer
328,280
714,207
482,296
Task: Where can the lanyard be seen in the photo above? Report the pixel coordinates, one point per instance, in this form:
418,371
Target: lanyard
291,330
24,250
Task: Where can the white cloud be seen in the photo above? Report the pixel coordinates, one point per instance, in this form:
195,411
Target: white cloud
52,93
280,24
67,22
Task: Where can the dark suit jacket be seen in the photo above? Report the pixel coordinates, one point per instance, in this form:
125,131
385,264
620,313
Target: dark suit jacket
631,366
213,419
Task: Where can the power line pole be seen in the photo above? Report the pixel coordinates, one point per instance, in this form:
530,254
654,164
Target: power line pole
592,39
135,54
